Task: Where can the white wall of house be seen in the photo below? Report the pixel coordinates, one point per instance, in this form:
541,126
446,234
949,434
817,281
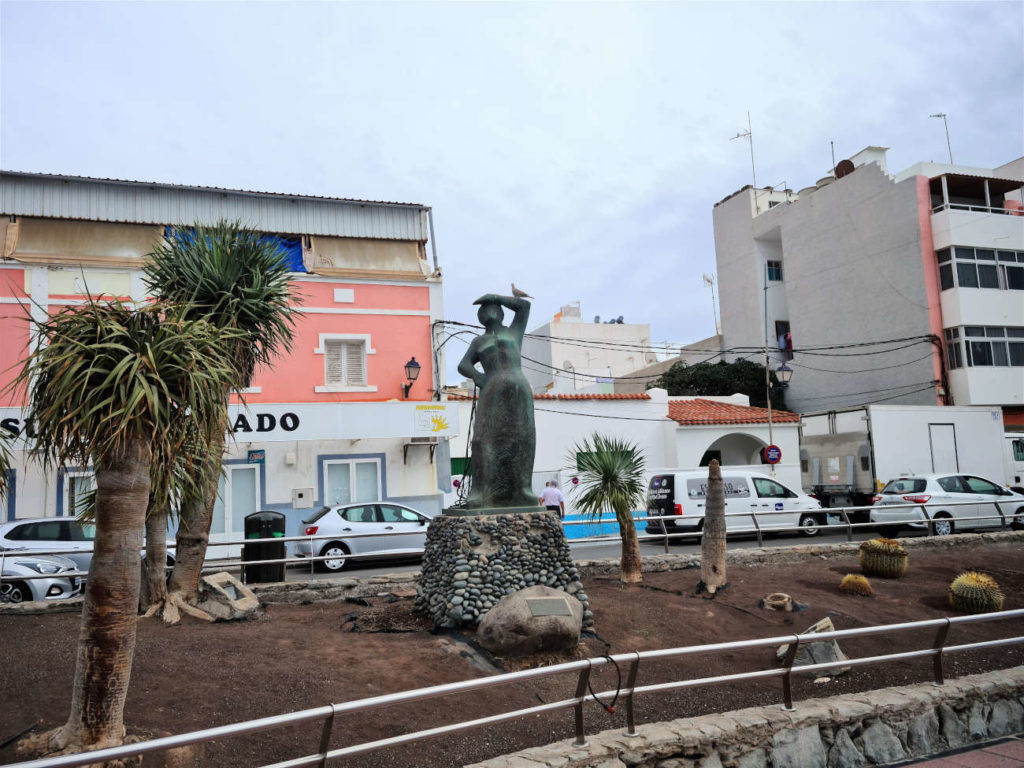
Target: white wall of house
583,351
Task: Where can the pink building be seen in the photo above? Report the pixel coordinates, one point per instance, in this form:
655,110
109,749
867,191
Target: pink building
330,421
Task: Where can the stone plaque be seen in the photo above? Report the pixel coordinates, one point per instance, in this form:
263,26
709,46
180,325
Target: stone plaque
548,606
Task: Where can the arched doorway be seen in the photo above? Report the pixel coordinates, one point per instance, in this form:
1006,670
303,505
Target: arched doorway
736,449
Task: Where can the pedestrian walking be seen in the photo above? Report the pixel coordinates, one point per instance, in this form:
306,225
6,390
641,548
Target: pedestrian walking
552,499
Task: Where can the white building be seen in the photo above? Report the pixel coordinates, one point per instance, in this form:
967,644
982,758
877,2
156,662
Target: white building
569,354
929,260
674,432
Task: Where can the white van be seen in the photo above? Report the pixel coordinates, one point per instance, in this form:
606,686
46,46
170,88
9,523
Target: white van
681,494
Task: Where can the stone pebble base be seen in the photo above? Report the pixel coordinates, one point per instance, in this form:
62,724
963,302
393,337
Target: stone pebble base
470,562
882,727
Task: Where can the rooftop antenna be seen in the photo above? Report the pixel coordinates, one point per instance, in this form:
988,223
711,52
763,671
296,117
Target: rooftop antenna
945,123
709,281
749,136
833,155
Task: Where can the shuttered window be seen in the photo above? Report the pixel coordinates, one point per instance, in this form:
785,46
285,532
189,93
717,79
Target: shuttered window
345,363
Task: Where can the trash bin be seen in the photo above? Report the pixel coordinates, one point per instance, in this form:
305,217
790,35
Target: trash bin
263,525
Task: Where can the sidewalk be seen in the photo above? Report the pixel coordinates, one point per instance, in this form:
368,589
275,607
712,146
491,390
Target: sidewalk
1002,754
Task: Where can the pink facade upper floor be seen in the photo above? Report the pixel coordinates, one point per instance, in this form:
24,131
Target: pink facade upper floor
387,324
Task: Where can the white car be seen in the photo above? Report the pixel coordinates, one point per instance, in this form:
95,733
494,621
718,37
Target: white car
65,536
350,529
681,494
955,502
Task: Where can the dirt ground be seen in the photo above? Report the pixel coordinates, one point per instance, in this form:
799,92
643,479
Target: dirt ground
198,675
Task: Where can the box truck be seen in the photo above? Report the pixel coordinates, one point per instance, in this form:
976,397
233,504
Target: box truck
848,455
1015,460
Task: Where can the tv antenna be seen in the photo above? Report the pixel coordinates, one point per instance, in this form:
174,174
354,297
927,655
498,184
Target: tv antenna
945,123
749,136
709,281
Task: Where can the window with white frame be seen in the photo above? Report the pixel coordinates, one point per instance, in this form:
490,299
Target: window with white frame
345,362
349,481
985,346
964,267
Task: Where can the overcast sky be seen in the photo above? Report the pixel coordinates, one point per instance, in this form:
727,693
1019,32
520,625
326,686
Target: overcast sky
575,148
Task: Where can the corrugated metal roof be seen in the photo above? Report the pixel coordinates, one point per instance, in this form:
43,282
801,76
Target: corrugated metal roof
135,202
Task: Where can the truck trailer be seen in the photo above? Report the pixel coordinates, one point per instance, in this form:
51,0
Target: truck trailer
848,455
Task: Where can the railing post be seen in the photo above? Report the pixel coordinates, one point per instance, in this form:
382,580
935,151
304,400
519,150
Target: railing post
937,645
846,520
1002,517
325,736
581,691
630,684
665,531
927,517
312,554
757,525
787,679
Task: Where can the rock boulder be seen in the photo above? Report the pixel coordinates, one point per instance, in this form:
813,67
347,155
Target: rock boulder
532,620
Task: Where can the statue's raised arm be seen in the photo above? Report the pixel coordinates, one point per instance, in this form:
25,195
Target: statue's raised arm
520,308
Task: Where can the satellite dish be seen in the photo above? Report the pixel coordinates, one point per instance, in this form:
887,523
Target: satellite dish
844,168
567,365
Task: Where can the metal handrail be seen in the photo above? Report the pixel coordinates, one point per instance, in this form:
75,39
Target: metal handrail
327,714
757,529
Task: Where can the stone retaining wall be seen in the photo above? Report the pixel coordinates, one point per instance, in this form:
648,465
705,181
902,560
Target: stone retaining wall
850,731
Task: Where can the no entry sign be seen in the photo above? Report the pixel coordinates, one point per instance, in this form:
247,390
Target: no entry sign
773,454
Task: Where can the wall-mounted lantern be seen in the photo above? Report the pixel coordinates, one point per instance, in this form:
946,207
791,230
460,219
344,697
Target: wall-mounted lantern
412,372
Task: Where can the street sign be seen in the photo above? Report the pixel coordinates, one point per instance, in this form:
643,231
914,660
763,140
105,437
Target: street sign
773,454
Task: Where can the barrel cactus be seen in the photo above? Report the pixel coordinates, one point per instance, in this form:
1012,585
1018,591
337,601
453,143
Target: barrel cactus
856,584
975,592
883,557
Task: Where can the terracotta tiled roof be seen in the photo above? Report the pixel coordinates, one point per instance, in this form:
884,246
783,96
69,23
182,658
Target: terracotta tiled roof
584,396
701,411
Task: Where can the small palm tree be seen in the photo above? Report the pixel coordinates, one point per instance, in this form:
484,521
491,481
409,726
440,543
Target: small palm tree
611,474
103,387
237,279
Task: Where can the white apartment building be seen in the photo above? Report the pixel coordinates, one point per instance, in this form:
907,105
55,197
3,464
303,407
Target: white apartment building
924,267
569,354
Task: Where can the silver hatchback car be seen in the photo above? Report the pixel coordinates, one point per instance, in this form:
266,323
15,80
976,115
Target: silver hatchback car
954,502
22,578
382,528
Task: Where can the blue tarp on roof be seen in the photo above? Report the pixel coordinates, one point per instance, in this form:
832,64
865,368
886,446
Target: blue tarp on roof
291,247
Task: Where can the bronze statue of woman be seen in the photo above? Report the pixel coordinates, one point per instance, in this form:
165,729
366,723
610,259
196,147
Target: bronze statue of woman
504,434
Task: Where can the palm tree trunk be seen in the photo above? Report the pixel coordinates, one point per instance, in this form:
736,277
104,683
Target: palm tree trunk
153,589
713,544
629,564
191,542
106,640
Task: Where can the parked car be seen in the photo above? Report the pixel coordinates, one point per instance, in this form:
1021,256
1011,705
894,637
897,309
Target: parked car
73,538
407,529
954,502
15,588
682,494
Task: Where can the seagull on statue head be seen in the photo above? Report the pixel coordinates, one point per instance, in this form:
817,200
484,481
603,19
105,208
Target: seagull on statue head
520,294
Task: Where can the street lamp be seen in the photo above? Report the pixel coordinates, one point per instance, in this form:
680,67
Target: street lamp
412,372
783,374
